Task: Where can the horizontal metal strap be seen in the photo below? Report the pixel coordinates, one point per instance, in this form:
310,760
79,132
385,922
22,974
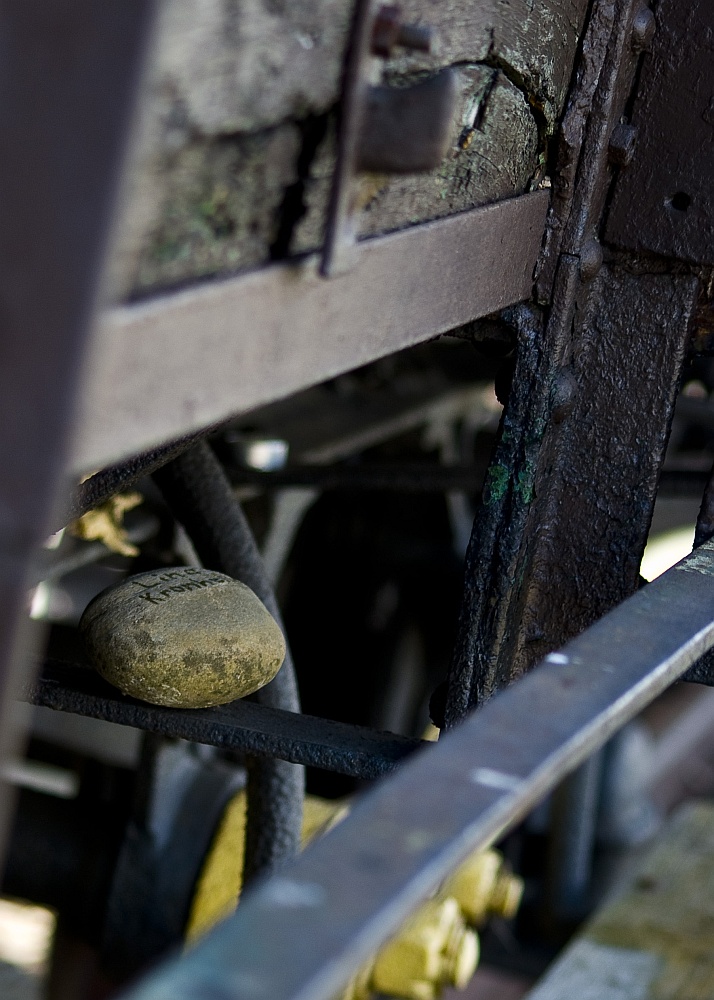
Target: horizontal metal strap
243,725
180,362
302,933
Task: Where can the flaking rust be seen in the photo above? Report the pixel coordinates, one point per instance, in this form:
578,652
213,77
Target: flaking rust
573,478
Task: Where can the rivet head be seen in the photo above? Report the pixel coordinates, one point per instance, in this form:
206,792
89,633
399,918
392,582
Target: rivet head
643,30
590,260
621,150
563,395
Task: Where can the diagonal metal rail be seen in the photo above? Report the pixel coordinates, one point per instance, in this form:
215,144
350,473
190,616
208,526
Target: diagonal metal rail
300,935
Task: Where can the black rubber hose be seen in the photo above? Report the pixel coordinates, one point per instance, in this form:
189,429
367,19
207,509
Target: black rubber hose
201,499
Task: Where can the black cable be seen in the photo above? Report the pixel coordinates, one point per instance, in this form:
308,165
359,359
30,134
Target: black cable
200,497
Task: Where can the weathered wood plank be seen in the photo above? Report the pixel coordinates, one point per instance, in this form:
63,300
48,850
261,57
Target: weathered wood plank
654,941
236,145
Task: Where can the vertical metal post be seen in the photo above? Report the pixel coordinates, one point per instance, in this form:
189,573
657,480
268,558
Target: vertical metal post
572,841
68,75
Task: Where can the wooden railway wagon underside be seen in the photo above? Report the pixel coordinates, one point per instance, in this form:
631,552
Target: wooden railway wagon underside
224,223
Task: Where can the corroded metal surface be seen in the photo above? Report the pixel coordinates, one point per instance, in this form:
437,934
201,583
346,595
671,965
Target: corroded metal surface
570,491
663,201
245,726
591,521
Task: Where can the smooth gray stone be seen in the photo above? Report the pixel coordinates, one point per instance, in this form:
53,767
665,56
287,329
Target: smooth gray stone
183,637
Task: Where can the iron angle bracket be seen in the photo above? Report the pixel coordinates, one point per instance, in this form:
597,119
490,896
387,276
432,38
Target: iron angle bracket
382,129
166,367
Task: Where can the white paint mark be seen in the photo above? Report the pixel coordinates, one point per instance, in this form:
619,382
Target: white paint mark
495,779
557,658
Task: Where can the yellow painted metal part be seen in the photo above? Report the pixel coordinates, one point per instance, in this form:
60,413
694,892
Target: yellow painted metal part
484,887
436,947
219,884
106,524
432,950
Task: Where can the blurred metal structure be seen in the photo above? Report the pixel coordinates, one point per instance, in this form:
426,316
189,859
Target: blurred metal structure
69,79
601,334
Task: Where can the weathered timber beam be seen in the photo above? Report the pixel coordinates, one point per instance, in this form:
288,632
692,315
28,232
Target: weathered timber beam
237,147
163,368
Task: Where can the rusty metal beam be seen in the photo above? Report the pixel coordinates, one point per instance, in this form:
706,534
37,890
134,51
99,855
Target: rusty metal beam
174,364
242,726
568,498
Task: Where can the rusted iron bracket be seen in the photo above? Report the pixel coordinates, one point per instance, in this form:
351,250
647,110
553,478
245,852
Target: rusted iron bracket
570,491
382,129
663,204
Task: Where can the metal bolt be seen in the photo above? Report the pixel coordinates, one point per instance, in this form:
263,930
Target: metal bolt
622,145
389,32
432,950
643,30
590,260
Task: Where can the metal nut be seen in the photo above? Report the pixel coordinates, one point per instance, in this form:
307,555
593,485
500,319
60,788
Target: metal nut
483,886
621,149
643,30
433,949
